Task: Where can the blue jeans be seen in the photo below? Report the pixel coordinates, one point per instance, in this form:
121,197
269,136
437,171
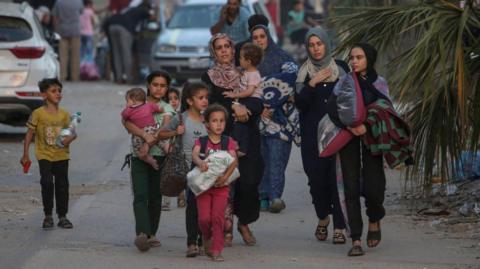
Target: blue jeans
275,153
86,49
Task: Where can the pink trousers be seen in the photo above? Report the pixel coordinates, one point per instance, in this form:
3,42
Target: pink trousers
211,216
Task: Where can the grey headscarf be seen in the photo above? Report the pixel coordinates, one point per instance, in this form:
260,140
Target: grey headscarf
323,36
313,66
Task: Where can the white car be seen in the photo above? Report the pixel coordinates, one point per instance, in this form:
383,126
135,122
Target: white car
182,46
26,57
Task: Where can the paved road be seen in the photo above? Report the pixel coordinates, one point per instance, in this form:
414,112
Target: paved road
102,214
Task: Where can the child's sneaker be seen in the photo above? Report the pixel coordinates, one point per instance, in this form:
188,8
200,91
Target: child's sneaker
277,205
64,223
47,222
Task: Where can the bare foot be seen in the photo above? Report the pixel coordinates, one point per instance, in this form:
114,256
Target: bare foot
151,161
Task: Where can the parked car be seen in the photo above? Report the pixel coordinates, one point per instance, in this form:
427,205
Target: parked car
25,58
182,46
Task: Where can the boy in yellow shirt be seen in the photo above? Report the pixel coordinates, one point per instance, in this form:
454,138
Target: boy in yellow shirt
45,124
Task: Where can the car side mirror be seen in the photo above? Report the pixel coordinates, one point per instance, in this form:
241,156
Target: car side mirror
153,26
52,37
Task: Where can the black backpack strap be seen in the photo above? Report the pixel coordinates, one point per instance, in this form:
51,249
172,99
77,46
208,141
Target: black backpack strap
224,142
203,146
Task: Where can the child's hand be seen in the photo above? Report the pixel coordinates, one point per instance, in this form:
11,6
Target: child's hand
25,159
220,182
149,139
180,129
68,139
203,166
229,94
160,109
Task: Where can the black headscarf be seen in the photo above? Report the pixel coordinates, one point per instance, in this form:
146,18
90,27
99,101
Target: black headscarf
370,93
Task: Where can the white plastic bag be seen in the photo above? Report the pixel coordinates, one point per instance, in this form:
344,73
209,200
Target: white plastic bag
218,163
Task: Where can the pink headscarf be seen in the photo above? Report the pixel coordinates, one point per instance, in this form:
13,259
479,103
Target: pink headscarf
224,75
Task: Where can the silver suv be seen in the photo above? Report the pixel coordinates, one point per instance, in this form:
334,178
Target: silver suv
26,57
182,47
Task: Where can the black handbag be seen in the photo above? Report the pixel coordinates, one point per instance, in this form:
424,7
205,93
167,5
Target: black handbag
173,175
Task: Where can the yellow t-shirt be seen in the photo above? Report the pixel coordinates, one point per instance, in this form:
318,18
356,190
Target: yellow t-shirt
47,127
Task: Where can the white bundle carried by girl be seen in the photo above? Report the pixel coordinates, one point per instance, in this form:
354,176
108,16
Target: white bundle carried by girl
218,162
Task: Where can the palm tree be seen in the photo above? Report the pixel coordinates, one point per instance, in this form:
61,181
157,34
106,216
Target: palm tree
433,71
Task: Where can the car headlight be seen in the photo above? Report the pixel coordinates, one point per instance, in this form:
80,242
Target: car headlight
167,48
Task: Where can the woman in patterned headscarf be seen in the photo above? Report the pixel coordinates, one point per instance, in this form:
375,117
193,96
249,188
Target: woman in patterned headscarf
223,76
315,82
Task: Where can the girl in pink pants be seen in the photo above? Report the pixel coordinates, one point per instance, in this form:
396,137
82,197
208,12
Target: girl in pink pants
212,203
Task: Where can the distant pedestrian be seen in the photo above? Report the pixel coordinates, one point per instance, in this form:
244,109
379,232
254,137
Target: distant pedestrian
44,16
232,20
45,125
297,26
121,29
87,23
316,79
66,22
212,203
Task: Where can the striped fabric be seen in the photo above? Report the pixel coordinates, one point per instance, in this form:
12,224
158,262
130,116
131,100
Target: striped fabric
388,134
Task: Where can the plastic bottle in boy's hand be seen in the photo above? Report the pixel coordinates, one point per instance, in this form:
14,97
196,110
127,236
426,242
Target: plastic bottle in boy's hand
71,130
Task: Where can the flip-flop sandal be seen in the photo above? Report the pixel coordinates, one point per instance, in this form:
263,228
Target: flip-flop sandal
356,251
374,236
321,233
247,237
339,238
154,242
228,240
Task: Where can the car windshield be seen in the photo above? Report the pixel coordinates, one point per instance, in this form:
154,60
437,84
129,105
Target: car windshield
194,16
14,29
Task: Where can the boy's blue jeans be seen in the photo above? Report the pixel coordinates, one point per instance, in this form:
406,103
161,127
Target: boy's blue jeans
275,153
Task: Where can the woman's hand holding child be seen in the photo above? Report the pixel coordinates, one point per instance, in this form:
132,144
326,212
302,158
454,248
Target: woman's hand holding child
229,94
